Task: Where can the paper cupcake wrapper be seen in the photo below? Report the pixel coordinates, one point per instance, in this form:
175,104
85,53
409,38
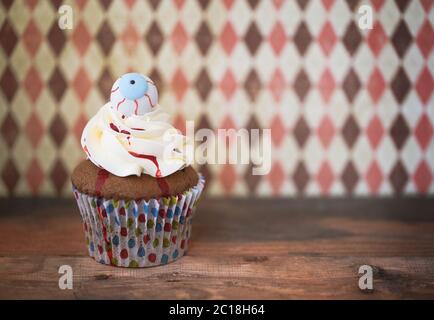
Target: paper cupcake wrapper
138,233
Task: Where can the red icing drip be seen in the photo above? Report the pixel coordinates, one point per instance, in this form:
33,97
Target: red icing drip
164,186
149,99
162,183
101,178
137,107
113,127
119,103
139,129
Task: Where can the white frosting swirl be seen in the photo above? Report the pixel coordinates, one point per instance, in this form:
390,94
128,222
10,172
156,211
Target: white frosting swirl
134,145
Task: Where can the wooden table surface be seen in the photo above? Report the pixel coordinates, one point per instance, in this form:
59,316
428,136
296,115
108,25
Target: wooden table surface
241,249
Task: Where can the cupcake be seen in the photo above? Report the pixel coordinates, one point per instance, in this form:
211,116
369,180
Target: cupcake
136,191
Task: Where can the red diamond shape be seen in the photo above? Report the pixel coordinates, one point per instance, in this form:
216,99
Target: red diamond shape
179,38
423,177
425,85
81,3
378,4
277,38
79,125
425,39
179,123
377,38
31,3
375,132
277,85
276,177
228,178
326,131
228,3
34,176
278,130
326,85
328,4
374,177
130,3
81,38
325,177
228,38
327,38
376,85
179,84
427,4
179,3
277,3
228,84
81,84
424,131
32,38
33,84
130,38
34,129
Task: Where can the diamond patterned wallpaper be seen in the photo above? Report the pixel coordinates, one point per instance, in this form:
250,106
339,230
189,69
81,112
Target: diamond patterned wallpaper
351,111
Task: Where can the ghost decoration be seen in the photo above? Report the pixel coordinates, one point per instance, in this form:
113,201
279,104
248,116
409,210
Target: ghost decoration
134,94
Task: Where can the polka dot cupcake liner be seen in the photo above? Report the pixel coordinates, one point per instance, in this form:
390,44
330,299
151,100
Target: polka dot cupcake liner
137,234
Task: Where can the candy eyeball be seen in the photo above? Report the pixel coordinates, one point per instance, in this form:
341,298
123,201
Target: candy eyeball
133,94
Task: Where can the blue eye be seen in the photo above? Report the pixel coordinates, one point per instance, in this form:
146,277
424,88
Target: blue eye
133,86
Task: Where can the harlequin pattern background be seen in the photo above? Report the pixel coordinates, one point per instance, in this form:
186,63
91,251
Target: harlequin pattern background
351,111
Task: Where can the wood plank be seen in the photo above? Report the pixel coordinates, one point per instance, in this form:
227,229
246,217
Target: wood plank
262,249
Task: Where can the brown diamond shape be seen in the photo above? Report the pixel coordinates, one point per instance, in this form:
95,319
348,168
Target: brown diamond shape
300,177
301,84
302,4
57,84
351,85
56,4
105,82
207,174
10,176
252,85
253,38
203,84
203,38
105,3
399,131
301,132
9,129
8,84
8,37
56,38
352,4
398,177
58,175
402,4
58,130
350,177
251,180
350,131
158,80
154,37
401,38
7,4
302,38
352,38
400,85
253,3
105,37
154,3
204,3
